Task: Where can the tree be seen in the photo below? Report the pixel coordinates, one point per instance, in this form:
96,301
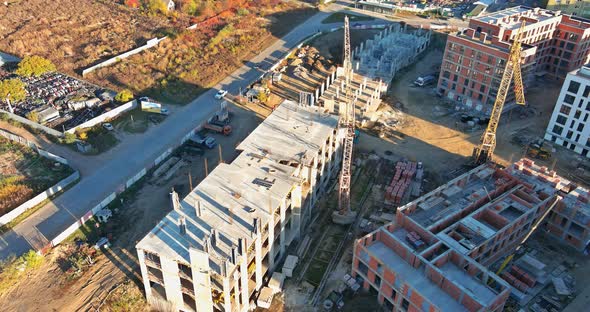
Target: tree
156,6
33,116
132,3
262,97
69,138
124,96
34,66
12,90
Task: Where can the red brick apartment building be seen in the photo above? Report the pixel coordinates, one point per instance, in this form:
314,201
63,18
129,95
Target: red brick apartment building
474,59
435,255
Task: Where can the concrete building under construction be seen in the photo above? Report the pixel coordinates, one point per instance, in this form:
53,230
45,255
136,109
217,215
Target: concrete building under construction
435,255
221,243
474,59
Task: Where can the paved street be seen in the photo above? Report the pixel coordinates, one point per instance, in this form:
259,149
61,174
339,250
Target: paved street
116,166
139,151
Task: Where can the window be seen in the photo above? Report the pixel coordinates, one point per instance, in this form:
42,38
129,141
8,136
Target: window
405,304
580,127
455,77
480,97
578,114
565,109
557,129
561,119
363,268
569,99
570,46
446,74
586,91
482,88
573,87
569,134
377,281
581,103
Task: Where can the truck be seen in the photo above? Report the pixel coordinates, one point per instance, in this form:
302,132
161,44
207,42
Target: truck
223,129
207,141
424,81
148,105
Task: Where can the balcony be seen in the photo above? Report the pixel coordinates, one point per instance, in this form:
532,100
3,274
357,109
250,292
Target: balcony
154,278
152,263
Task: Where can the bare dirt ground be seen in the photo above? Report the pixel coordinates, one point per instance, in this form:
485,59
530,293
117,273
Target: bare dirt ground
73,34
48,289
182,67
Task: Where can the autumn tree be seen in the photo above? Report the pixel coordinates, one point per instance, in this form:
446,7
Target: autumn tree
132,3
262,97
124,96
34,66
156,6
12,90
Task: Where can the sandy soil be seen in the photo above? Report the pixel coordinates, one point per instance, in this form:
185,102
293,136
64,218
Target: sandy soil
73,34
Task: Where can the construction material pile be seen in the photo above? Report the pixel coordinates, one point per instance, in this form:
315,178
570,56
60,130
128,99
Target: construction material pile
404,174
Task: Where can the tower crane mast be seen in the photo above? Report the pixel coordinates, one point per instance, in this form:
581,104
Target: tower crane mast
485,150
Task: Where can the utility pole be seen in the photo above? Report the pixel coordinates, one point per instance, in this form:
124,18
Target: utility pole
220,154
190,181
206,168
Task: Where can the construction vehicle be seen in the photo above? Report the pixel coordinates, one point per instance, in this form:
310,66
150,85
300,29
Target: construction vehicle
526,237
485,150
213,125
537,151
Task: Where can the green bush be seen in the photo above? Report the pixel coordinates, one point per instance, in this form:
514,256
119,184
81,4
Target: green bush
69,138
34,66
33,116
124,96
32,259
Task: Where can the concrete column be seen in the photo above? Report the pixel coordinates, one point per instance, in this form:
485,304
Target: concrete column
330,158
312,100
337,92
283,234
317,94
322,86
258,256
144,274
201,279
271,238
296,212
172,282
245,291
226,294
237,292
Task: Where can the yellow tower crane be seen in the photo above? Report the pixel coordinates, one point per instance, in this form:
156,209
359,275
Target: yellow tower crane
483,153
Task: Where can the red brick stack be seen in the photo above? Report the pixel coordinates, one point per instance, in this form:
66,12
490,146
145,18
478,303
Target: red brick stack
404,173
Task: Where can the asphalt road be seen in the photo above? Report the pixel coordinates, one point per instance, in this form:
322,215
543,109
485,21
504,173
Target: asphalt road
139,151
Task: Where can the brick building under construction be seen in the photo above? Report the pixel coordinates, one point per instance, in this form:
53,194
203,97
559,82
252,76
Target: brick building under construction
474,59
435,255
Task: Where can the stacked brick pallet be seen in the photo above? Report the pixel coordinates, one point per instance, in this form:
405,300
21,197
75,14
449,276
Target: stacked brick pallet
519,278
404,173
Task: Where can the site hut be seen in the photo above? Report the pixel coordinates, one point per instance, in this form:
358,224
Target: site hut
568,125
436,254
474,59
222,242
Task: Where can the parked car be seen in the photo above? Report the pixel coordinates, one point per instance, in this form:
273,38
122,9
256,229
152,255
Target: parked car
103,242
164,111
108,126
220,94
207,141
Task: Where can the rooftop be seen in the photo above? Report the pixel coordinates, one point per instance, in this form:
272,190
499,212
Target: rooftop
508,18
233,195
291,134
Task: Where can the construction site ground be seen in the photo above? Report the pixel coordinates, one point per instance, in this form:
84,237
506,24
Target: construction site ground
413,124
49,288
